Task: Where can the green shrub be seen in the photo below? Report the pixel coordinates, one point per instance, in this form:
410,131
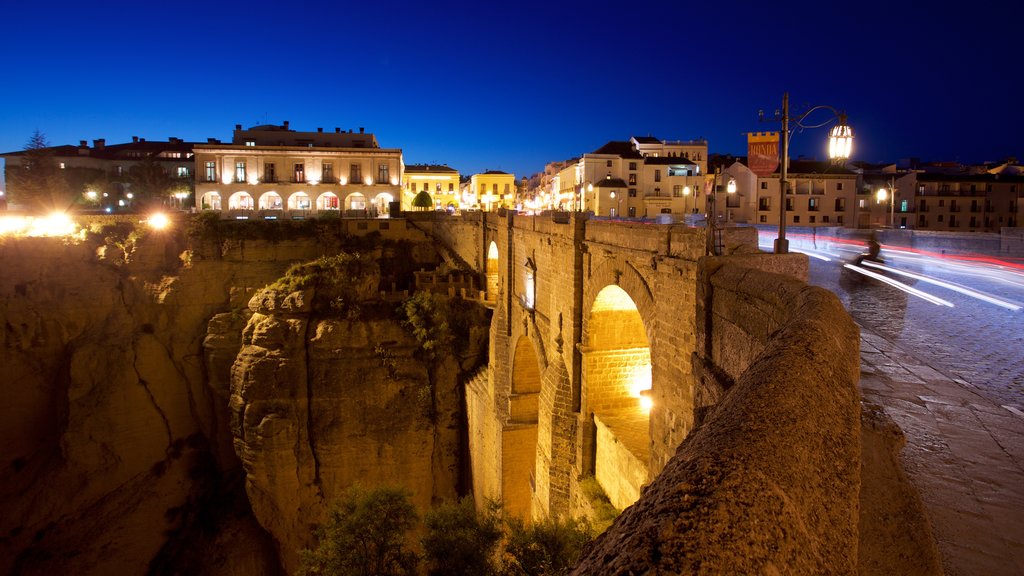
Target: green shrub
461,541
364,534
546,548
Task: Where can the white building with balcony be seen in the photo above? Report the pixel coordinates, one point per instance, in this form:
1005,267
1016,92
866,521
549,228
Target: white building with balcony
272,171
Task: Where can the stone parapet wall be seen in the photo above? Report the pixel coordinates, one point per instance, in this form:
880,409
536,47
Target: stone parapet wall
769,482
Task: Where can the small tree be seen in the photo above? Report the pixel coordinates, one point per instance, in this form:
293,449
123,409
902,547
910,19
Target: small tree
545,548
460,541
37,182
423,201
364,534
149,181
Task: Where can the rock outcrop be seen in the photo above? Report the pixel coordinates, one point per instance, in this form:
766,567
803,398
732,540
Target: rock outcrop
116,453
323,398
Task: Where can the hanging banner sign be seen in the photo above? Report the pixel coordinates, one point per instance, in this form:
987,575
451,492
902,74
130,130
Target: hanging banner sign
762,152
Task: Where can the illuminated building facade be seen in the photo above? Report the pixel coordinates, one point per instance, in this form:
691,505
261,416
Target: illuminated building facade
958,202
820,194
441,182
271,171
491,190
101,172
660,177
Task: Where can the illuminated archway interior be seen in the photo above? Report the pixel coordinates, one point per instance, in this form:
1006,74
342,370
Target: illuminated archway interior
492,273
617,372
270,201
240,201
519,438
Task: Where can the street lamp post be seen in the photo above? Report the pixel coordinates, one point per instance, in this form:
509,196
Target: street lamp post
891,194
618,203
583,186
839,147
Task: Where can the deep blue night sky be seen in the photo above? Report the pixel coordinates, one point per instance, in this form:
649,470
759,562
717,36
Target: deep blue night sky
514,85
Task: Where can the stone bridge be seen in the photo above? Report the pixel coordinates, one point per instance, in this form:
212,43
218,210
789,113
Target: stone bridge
602,359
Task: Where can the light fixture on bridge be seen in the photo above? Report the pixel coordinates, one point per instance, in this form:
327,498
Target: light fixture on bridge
646,400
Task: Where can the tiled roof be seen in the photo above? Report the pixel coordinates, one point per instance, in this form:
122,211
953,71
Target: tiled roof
622,148
610,183
429,168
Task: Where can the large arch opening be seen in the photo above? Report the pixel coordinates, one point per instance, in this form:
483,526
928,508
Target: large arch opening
327,201
240,201
210,201
299,201
519,438
271,201
382,204
617,373
491,270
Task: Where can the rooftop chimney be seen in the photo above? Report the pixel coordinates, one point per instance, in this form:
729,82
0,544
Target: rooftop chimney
135,139
238,126
285,124
174,140
361,130
99,143
212,141
83,143
337,130
320,130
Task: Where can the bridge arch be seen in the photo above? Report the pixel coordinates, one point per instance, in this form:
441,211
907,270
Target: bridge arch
519,437
491,272
618,382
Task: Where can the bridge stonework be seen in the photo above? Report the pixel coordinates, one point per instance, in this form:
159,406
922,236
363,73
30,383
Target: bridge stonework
535,419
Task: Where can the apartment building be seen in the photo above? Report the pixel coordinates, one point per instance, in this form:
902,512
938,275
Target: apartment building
958,202
441,182
100,175
648,176
491,190
272,171
819,194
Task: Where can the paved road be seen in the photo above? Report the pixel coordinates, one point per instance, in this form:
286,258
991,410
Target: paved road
948,367
978,342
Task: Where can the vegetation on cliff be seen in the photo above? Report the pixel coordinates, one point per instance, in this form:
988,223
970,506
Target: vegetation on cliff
367,531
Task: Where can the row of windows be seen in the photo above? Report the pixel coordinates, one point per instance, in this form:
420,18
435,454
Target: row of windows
959,188
793,185
813,204
812,219
437,187
299,172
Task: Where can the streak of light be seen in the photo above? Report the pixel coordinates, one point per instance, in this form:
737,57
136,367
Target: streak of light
813,254
900,286
949,285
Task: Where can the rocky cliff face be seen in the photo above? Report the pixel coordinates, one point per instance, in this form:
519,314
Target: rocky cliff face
116,448
322,399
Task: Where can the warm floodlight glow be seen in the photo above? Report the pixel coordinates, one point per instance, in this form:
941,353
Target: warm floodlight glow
129,196
686,190
840,140
253,179
394,181
56,224
368,180
590,187
343,180
882,195
731,186
646,402
13,225
158,221
91,195
226,178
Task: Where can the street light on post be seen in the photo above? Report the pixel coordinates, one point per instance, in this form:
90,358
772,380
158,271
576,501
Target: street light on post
891,194
618,203
840,144
589,188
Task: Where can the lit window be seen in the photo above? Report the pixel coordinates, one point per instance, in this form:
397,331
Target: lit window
211,172
182,171
250,143
239,171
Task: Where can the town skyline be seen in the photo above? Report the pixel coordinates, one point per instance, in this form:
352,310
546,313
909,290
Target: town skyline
513,88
